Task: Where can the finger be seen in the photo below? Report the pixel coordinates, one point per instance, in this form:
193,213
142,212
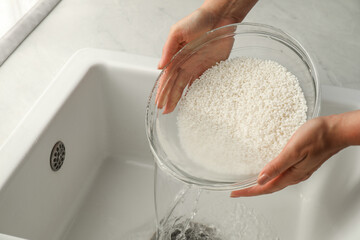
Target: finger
288,157
190,71
170,76
163,78
252,191
172,45
289,177
177,89
165,85
159,88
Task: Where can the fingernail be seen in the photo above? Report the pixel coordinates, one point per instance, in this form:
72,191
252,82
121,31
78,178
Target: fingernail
160,104
160,64
163,102
166,109
157,100
263,179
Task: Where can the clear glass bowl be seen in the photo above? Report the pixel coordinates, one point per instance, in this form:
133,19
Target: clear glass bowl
237,40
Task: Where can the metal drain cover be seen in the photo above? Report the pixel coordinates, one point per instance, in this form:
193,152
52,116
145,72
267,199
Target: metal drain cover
57,156
193,231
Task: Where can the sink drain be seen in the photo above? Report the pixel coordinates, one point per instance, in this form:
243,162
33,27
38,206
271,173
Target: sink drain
193,231
57,156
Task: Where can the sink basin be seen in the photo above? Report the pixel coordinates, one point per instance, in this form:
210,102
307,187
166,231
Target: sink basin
104,188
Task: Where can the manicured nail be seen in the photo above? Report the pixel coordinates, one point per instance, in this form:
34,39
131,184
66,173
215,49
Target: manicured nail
166,109
157,98
263,179
160,64
163,102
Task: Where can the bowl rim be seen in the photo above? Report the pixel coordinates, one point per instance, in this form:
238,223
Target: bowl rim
151,111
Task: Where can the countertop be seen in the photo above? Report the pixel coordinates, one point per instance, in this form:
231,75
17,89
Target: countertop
329,29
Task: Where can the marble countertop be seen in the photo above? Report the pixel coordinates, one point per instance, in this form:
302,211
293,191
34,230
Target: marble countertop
330,29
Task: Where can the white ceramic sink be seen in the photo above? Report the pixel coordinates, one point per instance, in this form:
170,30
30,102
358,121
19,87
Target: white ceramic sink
104,190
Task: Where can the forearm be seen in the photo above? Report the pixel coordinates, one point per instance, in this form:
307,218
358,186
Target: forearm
231,9
345,128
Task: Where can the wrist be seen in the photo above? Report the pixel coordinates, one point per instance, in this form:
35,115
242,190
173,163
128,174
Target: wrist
233,10
344,128
349,127
334,132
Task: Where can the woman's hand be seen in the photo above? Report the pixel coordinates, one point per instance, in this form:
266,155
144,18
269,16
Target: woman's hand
212,14
310,146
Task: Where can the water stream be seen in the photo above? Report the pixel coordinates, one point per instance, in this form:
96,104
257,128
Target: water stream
186,212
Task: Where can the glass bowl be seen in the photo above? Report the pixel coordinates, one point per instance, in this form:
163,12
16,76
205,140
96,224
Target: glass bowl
236,40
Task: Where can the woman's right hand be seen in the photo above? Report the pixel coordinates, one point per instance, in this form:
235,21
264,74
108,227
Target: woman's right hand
310,146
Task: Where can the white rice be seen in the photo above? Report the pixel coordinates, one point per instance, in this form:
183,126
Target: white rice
239,114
